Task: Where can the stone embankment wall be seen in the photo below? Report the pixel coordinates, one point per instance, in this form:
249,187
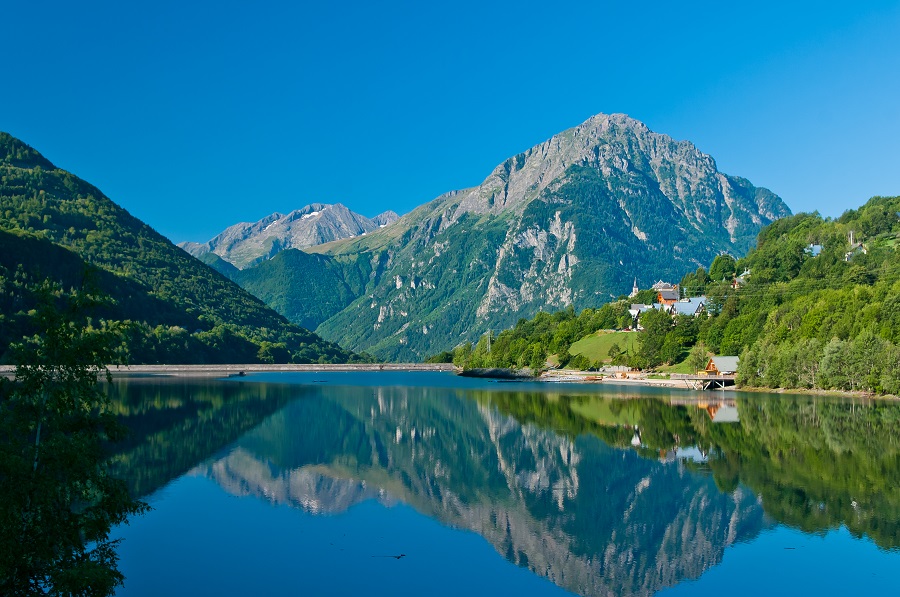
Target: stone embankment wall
235,369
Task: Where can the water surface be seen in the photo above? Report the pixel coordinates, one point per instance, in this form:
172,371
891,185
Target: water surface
411,483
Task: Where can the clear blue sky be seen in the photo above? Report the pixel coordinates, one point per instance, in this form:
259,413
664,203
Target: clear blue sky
196,115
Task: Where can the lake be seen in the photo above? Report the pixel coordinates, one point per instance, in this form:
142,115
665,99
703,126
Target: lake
428,483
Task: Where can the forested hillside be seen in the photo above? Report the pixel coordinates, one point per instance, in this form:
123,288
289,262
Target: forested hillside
306,288
58,228
817,305
570,221
830,320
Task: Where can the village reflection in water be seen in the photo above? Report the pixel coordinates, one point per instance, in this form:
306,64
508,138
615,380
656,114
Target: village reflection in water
612,491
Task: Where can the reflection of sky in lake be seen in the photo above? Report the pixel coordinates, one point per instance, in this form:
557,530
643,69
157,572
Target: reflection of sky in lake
833,564
200,540
468,478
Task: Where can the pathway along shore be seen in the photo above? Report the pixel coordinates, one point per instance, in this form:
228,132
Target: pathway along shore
225,370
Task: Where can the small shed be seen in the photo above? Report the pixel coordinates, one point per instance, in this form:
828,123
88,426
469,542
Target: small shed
722,365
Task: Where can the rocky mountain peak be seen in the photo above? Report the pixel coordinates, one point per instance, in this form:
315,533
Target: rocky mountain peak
386,218
247,243
570,221
616,145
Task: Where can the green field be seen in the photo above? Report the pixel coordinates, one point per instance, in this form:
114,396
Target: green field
681,367
601,410
596,346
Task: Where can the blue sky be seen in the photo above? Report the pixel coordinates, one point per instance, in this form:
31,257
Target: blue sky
196,115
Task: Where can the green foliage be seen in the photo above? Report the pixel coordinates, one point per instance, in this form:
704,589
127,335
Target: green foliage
441,357
530,342
58,500
307,289
695,283
830,321
822,322
698,357
55,226
644,297
656,324
722,268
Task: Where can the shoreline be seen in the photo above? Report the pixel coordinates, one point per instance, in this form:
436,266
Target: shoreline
554,377
573,376
238,369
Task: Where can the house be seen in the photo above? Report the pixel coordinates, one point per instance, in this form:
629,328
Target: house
740,280
638,308
663,286
813,250
722,365
689,306
856,248
668,296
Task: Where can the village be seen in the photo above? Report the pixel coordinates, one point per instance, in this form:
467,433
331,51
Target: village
719,373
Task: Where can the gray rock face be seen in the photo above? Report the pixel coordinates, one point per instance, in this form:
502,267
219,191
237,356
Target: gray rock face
247,243
618,147
591,519
571,221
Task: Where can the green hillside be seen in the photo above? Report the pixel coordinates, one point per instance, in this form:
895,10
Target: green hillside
596,346
830,320
305,288
813,310
59,227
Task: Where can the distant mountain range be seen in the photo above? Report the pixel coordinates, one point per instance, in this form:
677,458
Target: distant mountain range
572,221
55,227
247,243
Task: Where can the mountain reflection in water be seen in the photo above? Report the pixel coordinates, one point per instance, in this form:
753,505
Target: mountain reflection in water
600,494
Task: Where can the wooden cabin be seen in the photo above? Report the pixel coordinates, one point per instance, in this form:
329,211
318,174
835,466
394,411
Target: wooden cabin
724,365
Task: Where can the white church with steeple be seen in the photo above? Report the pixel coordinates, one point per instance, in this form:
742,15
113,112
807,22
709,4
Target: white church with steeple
634,290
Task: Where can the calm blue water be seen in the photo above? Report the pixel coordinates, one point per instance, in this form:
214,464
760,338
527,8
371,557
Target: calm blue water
315,483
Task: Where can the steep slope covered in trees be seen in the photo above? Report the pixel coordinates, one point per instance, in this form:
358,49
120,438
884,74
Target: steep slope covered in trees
57,227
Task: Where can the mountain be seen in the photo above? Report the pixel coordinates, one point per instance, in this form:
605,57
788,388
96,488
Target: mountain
245,244
593,519
571,221
553,481
57,227
305,288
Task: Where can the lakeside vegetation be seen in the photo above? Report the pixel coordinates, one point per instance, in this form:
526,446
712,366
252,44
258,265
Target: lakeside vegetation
58,497
818,307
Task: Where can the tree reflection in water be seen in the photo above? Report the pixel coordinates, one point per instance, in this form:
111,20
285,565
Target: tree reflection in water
600,494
